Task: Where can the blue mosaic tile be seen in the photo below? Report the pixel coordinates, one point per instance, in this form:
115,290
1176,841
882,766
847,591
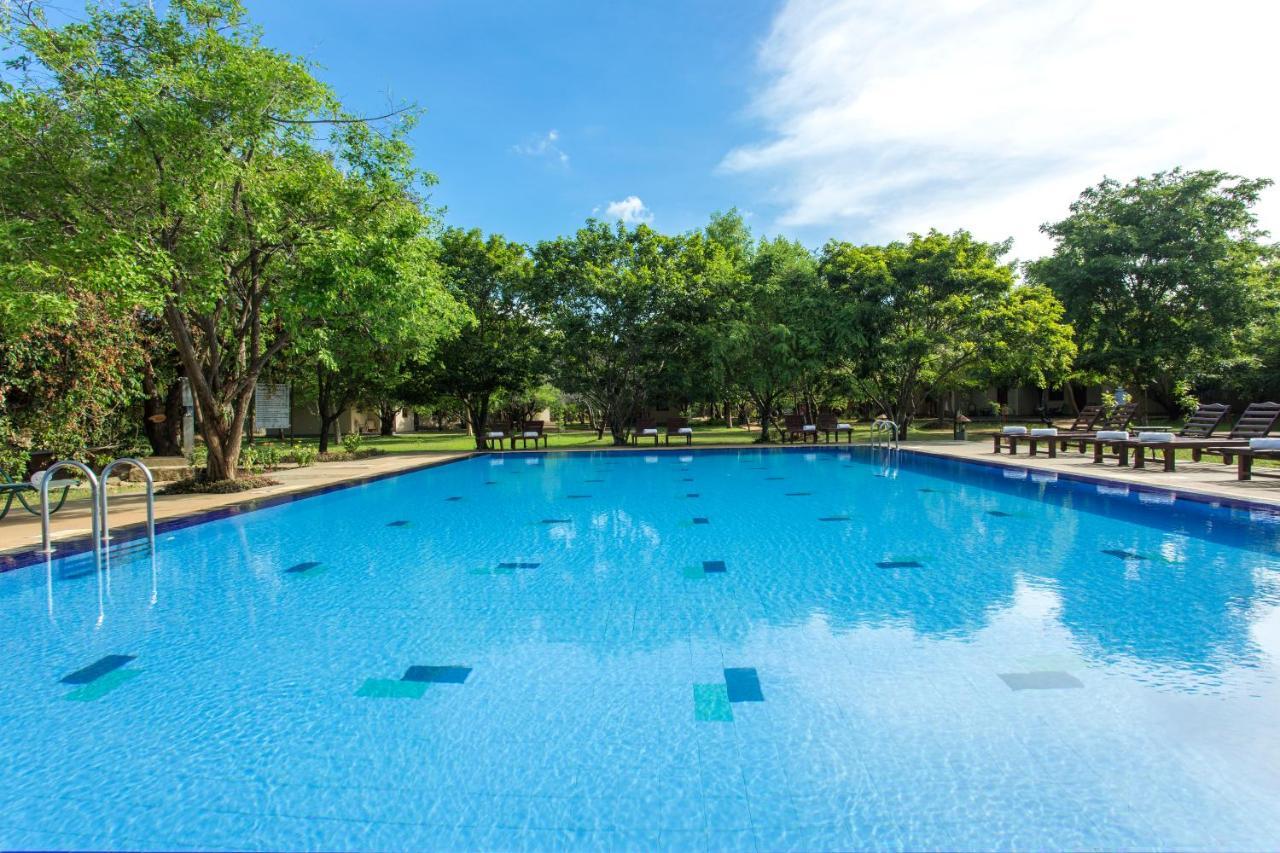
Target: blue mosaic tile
557,521
593,481
743,685
301,567
401,523
454,498
999,514
700,520
713,565
577,497
834,518
518,565
798,494
437,674
1054,680
687,480
900,564
1123,555
928,491
97,669
491,482
775,478
692,495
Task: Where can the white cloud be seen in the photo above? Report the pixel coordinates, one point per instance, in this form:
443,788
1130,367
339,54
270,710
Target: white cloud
889,116
630,210
547,145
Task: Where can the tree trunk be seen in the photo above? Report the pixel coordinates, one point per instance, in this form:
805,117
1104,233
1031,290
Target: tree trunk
478,414
387,419
164,435
765,405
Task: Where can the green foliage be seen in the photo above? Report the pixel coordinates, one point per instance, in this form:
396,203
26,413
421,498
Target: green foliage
937,313
351,442
1161,277
268,456
248,457
304,455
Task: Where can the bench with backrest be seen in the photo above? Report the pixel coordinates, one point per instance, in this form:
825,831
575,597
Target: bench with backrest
829,424
529,431
796,426
645,429
678,427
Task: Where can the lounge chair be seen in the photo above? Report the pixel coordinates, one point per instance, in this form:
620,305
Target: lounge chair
678,427
645,429
830,425
497,433
1258,448
529,431
1010,436
1200,425
1258,420
794,426
27,492
1117,420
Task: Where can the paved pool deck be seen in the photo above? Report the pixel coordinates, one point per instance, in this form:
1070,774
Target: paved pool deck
20,531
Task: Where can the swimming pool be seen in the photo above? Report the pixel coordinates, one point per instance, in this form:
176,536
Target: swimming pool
756,649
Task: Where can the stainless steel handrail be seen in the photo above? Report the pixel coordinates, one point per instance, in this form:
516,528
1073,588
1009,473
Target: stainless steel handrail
94,490
151,497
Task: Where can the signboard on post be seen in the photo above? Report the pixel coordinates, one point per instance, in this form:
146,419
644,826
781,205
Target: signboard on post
188,419
271,405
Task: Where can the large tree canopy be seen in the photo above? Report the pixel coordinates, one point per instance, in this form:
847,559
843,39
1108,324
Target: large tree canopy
939,312
170,160
1160,277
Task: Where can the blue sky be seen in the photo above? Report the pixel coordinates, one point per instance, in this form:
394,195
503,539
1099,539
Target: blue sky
857,119
539,114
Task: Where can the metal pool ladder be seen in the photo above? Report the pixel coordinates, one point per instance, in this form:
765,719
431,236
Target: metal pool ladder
151,498
879,427
98,498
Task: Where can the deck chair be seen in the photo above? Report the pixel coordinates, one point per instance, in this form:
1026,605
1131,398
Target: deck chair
794,426
1011,436
1258,448
645,429
1197,436
678,427
1118,420
1199,426
830,425
529,431
27,493
497,433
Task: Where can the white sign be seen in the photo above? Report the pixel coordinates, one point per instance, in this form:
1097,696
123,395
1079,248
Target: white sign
271,406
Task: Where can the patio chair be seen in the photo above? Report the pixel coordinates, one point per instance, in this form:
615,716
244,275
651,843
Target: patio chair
645,429
831,425
1257,421
678,427
529,431
1117,420
1199,426
794,426
27,493
497,433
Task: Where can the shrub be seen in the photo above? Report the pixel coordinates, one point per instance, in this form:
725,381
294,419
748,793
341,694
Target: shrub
351,442
199,456
305,456
200,486
248,457
269,456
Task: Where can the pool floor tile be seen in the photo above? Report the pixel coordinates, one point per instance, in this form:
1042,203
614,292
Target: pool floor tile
1046,680
700,520
711,704
713,566
97,669
694,572
742,684
437,674
518,565
390,688
103,685
301,568
400,523
900,564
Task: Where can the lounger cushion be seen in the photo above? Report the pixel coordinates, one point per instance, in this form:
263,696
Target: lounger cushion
810,427
1112,435
843,425
1155,437
685,431
530,433
649,431
1013,430
1264,444
495,435
1044,431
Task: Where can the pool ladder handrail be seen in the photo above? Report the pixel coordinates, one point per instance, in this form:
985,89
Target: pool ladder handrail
880,426
151,498
94,488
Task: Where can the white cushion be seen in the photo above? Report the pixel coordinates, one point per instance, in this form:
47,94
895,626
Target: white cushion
685,431
530,433
38,477
1113,435
495,435
844,426
1155,437
1043,431
1013,430
1015,473
649,431
810,428
1264,443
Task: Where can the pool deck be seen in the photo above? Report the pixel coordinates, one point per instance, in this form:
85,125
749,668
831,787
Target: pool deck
1206,478
20,532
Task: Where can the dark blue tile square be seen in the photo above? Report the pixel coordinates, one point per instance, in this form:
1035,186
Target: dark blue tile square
400,523
692,495
702,521
437,674
557,520
1123,555
743,684
518,565
798,494
302,567
900,564
454,498
834,518
577,497
97,669
713,565
997,513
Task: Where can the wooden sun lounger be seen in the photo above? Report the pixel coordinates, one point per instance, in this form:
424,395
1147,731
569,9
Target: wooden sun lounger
1196,434
831,425
1034,442
678,427
1245,457
1120,418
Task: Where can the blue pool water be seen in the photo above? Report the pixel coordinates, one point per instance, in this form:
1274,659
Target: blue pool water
748,649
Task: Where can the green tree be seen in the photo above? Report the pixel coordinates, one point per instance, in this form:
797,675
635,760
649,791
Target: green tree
170,160
619,313
941,310
1160,277
502,351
